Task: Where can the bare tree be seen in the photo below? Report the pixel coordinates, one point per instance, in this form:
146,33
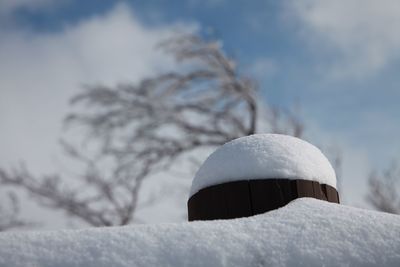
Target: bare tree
145,128
384,190
9,213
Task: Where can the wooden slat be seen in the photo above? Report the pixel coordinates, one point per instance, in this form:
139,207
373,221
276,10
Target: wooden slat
304,188
318,191
332,195
323,187
265,195
237,199
287,192
208,204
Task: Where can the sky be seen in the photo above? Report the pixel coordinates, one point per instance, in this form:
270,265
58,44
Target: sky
337,60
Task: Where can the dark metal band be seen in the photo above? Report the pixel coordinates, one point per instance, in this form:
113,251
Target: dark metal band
246,198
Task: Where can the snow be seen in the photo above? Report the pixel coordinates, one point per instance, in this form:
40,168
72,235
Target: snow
306,232
263,156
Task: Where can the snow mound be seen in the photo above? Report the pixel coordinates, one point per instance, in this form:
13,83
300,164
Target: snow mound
263,156
306,232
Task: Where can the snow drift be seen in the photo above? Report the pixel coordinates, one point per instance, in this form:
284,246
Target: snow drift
306,232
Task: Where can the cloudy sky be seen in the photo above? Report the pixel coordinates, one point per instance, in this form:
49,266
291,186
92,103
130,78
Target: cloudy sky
338,60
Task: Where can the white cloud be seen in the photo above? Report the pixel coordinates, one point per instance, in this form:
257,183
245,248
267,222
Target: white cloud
39,72
362,34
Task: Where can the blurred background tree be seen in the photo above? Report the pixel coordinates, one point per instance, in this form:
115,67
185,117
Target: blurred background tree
9,213
143,129
383,190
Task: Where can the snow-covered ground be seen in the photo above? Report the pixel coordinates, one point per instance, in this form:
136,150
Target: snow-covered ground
306,232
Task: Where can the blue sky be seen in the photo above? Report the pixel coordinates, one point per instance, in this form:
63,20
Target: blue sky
251,31
337,60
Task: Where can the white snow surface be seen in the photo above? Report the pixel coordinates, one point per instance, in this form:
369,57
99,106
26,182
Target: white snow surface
306,232
264,156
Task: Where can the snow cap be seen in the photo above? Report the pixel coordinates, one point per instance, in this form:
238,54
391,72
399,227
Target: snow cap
264,156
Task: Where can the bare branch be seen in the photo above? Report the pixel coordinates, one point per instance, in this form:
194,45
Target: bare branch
384,190
9,213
